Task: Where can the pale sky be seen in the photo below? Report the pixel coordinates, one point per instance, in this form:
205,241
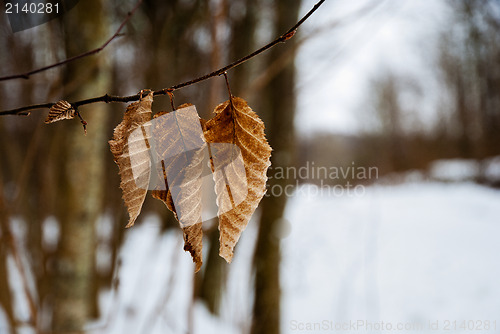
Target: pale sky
336,67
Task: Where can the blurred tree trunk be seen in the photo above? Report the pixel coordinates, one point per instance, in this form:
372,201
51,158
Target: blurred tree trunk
243,43
209,285
174,54
5,294
464,139
279,103
74,298
243,27
470,66
391,114
6,169
483,40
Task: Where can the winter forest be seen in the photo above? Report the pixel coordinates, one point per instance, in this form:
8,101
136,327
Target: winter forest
366,133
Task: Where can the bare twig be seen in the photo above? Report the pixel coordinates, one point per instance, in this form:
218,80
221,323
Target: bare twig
27,75
109,98
281,62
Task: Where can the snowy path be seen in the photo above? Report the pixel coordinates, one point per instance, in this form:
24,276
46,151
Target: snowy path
412,253
404,255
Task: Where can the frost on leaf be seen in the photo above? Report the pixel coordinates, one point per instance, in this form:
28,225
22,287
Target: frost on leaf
238,191
130,148
59,111
178,148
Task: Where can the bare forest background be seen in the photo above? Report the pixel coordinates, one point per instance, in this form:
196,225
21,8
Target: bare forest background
54,177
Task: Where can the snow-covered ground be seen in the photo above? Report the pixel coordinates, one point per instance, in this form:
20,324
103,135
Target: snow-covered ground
410,255
453,170
407,255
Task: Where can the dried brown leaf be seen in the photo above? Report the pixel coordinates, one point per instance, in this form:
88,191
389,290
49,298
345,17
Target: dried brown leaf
238,194
178,151
59,111
130,147
193,237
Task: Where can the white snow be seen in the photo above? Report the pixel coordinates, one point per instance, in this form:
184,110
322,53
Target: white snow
454,170
51,232
492,169
411,253
406,254
458,170
155,281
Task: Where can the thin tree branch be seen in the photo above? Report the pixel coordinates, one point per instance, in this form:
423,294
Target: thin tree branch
109,98
27,75
281,62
